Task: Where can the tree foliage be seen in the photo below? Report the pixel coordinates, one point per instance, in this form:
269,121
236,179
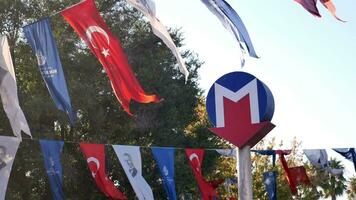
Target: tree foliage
333,186
351,190
176,121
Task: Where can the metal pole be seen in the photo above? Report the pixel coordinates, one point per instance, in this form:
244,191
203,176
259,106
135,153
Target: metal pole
245,174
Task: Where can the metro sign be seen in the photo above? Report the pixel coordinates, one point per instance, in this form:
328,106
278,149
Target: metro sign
240,107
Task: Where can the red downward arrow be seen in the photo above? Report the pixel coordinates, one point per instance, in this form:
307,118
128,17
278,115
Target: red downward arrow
238,127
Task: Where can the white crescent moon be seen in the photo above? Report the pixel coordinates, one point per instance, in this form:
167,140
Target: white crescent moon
97,163
93,29
194,155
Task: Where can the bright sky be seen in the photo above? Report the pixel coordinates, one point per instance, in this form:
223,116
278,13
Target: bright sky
307,62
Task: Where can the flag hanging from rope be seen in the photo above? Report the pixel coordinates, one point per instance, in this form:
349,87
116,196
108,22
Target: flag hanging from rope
319,158
8,91
130,159
165,161
294,175
147,7
270,182
227,152
51,151
349,154
95,157
39,36
8,149
195,157
90,26
299,175
232,22
267,153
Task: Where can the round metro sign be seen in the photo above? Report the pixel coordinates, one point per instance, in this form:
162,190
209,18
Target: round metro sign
240,107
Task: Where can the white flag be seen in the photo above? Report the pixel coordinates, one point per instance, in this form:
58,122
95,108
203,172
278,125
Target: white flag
8,91
227,152
130,159
319,158
8,149
148,8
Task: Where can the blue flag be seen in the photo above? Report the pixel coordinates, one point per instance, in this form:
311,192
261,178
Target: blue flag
269,179
39,36
51,151
349,154
267,153
231,21
165,160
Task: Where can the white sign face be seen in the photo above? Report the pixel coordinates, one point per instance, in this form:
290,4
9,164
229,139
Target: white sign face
222,92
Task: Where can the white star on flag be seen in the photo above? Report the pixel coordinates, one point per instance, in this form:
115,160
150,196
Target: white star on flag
105,52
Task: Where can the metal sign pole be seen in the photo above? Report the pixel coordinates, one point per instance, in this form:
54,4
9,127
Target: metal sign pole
245,174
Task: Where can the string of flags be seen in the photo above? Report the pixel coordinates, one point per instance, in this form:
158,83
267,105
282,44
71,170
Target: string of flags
86,21
130,159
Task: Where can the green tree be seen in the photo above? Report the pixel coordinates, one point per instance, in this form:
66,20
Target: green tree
351,190
333,185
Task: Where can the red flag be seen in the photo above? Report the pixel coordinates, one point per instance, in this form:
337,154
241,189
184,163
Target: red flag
90,26
95,156
216,183
330,6
310,6
299,175
195,157
294,175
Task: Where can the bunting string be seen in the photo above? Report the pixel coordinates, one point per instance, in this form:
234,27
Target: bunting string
130,159
51,15
109,144
169,147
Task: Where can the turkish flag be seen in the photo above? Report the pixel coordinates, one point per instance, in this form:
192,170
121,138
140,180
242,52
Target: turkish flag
95,157
294,175
195,157
90,26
